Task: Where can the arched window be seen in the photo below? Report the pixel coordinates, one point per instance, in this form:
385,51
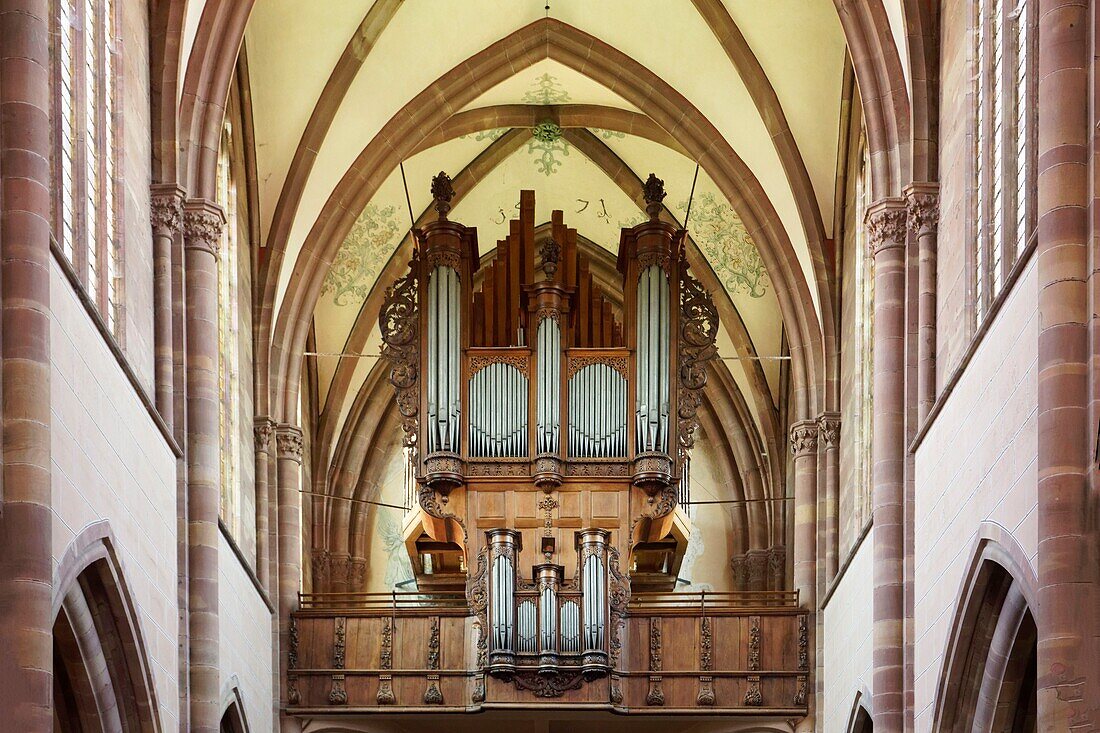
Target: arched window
86,69
229,338
1004,136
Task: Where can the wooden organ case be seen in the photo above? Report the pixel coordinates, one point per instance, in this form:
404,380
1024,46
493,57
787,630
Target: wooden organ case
549,415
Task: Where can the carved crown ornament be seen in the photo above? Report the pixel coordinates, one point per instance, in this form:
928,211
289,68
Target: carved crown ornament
803,438
203,223
887,225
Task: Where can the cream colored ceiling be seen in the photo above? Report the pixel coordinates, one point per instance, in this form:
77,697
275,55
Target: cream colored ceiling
293,47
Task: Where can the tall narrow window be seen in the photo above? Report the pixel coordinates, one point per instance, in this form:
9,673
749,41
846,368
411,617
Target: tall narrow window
229,338
85,74
1004,135
864,265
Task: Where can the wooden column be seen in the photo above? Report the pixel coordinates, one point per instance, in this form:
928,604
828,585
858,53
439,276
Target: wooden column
804,449
828,431
166,218
288,443
923,202
887,229
203,222
26,575
1066,618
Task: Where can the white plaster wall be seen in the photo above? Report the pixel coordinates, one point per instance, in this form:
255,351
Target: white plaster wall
977,462
848,643
111,462
244,626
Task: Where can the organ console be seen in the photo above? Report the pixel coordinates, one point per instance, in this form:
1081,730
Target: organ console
548,397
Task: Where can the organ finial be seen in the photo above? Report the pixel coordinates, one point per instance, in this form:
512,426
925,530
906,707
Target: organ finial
654,195
550,256
442,192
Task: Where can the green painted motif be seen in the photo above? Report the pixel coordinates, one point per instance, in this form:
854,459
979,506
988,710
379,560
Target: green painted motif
722,237
361,258
607,134
547,143
546,90
491,135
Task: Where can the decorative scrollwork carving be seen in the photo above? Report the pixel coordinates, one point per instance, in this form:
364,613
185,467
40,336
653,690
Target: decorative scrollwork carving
618,363
592,468
433,695
802,692
754,643
520,361
398,321
753,696
499,467
548,685
338,695
803,643
293,695
618,594
698,336
477,595
385,694
661,258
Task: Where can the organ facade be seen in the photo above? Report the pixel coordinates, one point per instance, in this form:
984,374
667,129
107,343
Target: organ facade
549,415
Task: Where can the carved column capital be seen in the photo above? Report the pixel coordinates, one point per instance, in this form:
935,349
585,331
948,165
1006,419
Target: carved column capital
803,438
923,203
166,209
264,429
887,225
203,223
288,442
828,429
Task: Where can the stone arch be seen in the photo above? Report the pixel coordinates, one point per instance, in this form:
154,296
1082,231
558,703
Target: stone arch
861,718
988,678
233,719
554,39
103,677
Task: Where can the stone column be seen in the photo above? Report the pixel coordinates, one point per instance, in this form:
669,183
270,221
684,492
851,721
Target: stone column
924,216
887,228
1066,618
166,218
264,430
203,222
288,441
26,575
828,431
804,449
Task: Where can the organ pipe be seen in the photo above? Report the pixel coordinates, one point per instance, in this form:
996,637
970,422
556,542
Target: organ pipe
444,354
654,341
549,386
504,546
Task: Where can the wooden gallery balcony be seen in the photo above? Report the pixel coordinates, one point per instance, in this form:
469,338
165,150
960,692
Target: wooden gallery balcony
683,653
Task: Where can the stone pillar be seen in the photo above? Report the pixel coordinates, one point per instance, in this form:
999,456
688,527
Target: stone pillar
828,431
26,575
166,218
804,449
1066,618
288,441
924,216
264,430
203,222
887,228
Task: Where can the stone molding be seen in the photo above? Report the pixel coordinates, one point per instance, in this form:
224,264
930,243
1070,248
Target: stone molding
828,429
203,224
887,225
166,209
288,442
803,438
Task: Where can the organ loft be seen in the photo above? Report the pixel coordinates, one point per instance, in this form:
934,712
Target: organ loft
549,419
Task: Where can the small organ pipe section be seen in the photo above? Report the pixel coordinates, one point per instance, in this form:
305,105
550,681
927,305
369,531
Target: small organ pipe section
504,546
548,432
498,412
597,413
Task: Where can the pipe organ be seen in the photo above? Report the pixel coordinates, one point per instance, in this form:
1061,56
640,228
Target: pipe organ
548,394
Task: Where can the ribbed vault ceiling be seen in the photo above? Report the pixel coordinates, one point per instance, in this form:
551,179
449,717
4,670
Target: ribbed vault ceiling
326,78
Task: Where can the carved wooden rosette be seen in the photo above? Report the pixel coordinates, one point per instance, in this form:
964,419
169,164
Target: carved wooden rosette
293,695
385,694
338,695
706,664
433,695
753,696
398,321
656,695
697,339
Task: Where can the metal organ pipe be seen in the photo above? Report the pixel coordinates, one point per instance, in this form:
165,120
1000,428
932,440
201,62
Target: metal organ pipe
652,409
549,386
592,545
597,413
498,412
443,359
504,546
